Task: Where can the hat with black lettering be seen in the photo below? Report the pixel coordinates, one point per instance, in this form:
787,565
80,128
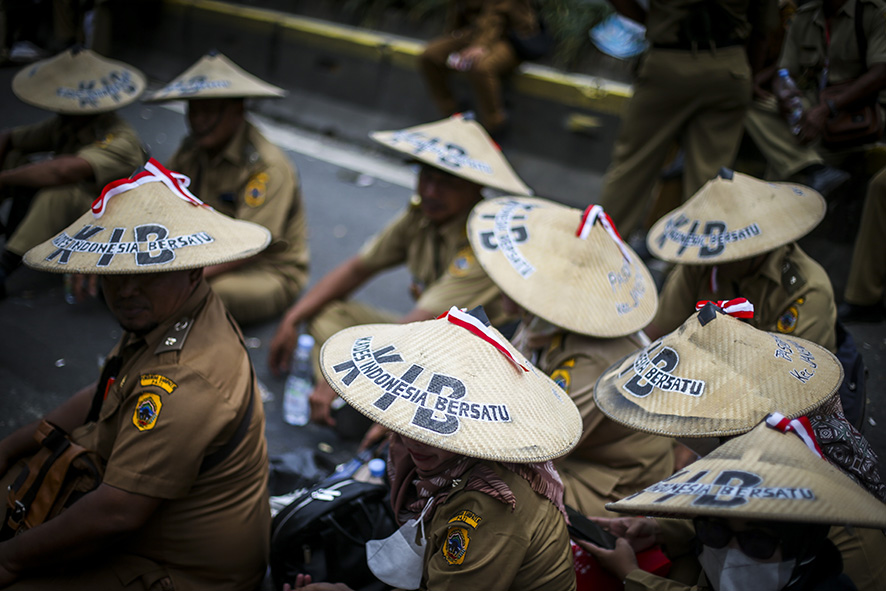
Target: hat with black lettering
215,76
78,82
716,376
568,267
764,475
734,217
459,146
149,223
454,383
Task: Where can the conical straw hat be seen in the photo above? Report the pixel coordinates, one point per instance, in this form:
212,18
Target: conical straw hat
716,376
445,385
215,76
764,475
735,217
148,224
585,282
78,82
459,146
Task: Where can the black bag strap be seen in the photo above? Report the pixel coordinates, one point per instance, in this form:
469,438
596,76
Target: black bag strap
860,37
109,372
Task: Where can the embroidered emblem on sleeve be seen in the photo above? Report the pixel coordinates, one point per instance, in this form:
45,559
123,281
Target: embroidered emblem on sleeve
456,547
467,517
787,322
156,380
105,141
146,411
256,190
562,375
463,262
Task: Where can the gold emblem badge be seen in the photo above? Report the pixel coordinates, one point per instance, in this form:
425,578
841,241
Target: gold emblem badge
146,412
256,190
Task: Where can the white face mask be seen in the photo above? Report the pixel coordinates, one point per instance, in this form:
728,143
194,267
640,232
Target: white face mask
398,560
730,569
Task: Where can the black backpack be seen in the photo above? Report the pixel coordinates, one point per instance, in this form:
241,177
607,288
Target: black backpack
323,533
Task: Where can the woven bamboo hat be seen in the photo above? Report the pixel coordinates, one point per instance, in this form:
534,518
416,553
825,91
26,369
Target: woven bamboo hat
764,475
215,76
453,383
733,217
78,82
459,146
153,224
565,266
716,376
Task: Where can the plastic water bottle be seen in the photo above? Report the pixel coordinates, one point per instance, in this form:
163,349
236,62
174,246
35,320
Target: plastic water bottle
786,88
377,471
296,408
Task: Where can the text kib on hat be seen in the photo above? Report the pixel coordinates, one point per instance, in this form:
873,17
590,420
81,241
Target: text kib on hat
716,376
78,82
459,146
570,268
149,223
764,475
453,383
733,217
215,76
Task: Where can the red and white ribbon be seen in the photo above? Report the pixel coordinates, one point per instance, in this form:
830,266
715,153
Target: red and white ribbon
154,172
737,308
801,426
593,214
465,320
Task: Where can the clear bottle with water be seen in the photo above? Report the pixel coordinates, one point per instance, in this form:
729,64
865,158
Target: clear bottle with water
299,384
787,91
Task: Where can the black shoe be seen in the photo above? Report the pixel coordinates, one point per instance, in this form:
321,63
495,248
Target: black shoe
825,179
847,312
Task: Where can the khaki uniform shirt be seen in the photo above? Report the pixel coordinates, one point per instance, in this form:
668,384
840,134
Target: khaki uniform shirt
791,293
806,49
488,21
253,180
477,542
665,17
180,394
108,143
444,271
610,461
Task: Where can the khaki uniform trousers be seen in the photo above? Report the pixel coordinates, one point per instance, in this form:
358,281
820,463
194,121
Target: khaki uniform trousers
252,294
485,77
340,315
53,209
867,274
784,155
697,99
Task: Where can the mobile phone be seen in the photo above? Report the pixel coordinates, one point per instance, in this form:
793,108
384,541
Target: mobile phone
584,529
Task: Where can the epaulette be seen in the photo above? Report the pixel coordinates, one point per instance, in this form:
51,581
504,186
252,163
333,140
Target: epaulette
791,280
175,337
250,154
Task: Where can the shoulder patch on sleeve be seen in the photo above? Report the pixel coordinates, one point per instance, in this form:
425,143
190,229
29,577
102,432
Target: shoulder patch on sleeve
791,280
562,376
467,517
787,321
256,190
463,262
456,547
146,411
105,141
162,382
175,337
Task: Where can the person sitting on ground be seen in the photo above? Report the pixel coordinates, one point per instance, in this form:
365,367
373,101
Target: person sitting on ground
476,42
457,159
176,417
585,297
716,376
476,474
761,506
89,145
241,174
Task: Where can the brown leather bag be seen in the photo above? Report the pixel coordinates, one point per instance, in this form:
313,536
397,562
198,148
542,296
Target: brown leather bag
853,125
55,477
